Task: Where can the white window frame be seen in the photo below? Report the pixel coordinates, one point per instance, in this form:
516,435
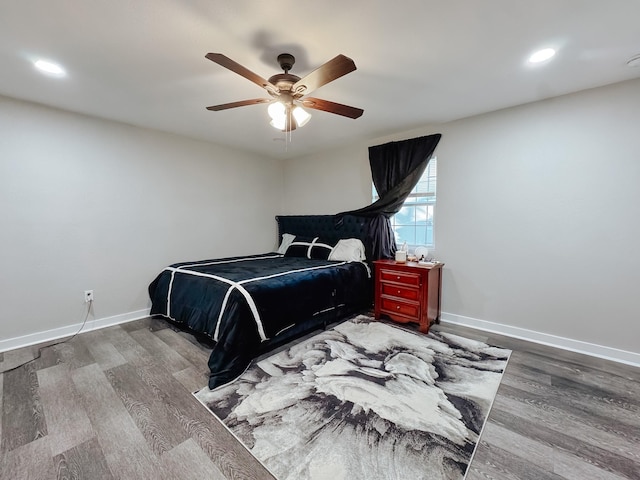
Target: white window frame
422,202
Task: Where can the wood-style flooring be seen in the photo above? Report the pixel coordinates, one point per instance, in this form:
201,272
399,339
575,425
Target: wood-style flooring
116,403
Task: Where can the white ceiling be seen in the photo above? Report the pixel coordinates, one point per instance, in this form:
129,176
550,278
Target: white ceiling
420,62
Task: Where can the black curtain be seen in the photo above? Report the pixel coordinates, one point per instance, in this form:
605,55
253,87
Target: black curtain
396,168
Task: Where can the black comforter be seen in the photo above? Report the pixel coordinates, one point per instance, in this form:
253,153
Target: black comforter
245,303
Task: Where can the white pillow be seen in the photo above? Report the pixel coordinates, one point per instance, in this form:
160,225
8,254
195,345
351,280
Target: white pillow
348,250
287,239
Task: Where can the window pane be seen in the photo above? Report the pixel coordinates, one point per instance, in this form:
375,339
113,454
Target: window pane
414,222
422,216
406,215
424,186
405,234
429,238
430,199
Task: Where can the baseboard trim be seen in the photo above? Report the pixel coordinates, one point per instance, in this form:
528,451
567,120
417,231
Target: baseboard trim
592,349
54,334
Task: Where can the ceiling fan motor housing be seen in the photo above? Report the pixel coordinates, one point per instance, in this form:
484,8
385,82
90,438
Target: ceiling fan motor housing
286,61
283,81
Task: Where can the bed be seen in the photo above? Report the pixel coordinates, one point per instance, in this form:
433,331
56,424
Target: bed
252,304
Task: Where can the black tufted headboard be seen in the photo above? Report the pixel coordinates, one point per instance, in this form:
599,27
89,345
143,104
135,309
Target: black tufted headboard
327,227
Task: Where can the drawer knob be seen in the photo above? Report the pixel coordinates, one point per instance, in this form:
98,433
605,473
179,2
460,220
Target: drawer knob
398,277
398,292
397,307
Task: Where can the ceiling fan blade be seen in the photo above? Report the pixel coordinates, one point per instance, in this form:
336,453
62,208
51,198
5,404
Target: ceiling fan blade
242,103
331,107
335,68
226,62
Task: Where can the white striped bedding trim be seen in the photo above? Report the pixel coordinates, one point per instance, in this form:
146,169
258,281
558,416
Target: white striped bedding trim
311,244
173,270
240,288
237,285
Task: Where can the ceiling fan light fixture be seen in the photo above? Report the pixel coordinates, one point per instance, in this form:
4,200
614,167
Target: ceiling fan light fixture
301,115
278,124
287,90
279,112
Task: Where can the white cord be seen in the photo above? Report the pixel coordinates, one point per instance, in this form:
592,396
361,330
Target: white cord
40,349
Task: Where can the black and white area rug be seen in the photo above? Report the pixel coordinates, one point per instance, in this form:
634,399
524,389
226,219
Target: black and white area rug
364,400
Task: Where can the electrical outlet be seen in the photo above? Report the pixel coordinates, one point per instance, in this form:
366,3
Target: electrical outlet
88,296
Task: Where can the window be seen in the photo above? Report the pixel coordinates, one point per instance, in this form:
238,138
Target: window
414,222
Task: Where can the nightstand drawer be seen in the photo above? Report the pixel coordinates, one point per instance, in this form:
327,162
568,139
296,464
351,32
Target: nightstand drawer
408,278
394,306
400,291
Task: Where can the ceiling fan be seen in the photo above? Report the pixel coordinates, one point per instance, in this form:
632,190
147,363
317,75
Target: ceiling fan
288,92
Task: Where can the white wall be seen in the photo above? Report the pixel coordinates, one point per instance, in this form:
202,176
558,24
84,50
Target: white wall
329,182
537,216
92,204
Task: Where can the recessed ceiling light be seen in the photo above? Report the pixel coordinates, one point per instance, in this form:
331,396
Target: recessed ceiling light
542,55
49,68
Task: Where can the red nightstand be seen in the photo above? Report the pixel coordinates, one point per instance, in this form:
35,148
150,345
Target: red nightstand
408,292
